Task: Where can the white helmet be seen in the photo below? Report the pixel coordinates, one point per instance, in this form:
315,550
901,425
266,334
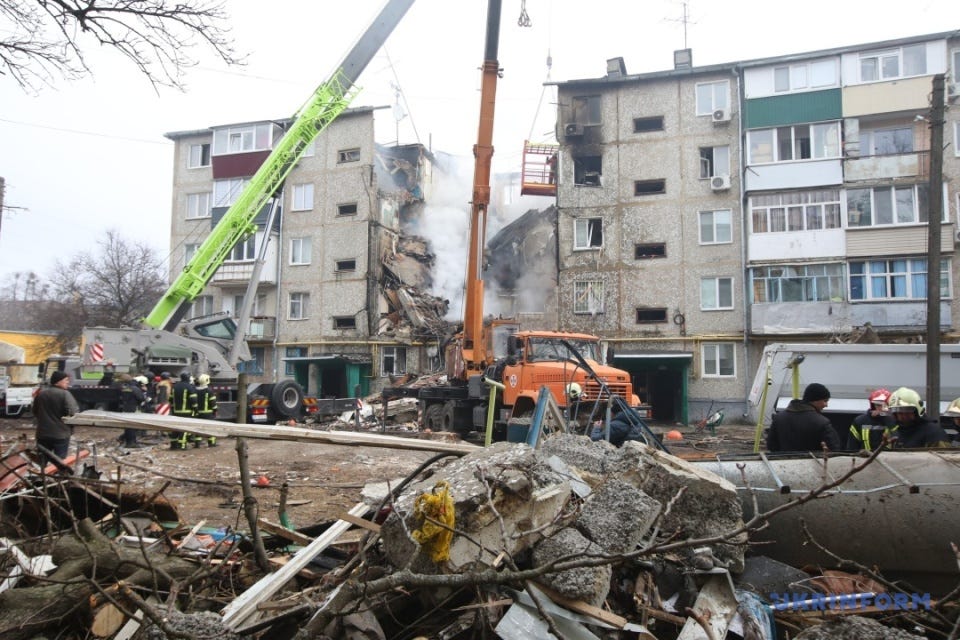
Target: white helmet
574,390
203,380
142,380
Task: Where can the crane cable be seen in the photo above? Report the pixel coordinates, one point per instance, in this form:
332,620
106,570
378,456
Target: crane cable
543,90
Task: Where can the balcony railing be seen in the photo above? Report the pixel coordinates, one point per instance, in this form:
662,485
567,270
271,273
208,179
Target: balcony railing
262,328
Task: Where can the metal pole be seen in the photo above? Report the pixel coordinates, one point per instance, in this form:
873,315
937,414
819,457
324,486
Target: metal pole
934,216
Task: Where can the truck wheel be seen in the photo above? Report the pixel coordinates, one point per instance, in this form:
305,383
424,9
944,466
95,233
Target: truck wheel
286,399
455,421
433,417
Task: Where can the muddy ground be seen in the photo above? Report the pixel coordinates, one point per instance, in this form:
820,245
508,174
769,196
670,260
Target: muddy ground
324,480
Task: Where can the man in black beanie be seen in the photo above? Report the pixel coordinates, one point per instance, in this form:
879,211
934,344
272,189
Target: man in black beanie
51,405
802,425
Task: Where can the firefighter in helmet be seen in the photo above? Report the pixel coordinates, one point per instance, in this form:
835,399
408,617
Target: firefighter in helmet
869,428
206,408
914,430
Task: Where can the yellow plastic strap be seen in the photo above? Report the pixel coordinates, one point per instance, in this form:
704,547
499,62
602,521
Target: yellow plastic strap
436,512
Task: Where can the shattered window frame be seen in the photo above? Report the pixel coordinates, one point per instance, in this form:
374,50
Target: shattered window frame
298,306
393,361
348,155
586,110
588,298
719,360
587,234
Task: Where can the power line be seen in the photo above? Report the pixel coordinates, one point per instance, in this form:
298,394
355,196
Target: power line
84,133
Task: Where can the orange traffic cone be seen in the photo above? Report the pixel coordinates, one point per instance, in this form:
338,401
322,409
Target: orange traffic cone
263,480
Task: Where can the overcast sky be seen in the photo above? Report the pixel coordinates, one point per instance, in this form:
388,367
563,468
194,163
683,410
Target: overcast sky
90,155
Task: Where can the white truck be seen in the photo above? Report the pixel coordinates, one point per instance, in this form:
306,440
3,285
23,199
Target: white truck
850,372
17,384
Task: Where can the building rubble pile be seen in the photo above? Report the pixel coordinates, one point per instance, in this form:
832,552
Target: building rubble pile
574,538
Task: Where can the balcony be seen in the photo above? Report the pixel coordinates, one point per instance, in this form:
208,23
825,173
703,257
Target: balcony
262,328
915,164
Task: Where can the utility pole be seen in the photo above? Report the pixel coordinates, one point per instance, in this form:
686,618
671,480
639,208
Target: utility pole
934,231
2,188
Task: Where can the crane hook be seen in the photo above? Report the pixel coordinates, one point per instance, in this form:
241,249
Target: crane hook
524,19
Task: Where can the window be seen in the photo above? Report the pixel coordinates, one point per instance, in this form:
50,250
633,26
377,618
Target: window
290,368
588,297
716,294
956,138
254,137
887,205
259,304
795,211
714,161
797,142
895,279
955,65
348,155
587,233
647,251
198,205
393,361
345,265
646,315
886,141
587,170
202,306
189,250
310,150
644,125
797,283
894,63
225,192
649,187
344,322
299,251
585,110
797,77
712,96
299,305
303,197
254,365
199,156
719,360
348,209
716,227
243,251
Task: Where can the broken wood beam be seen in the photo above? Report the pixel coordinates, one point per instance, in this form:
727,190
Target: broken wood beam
287,534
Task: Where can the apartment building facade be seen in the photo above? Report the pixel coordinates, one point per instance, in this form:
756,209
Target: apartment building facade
707,211
333,308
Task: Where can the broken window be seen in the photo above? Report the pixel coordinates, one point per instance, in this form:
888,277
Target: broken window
587,233
647,315
649,187
587,170
393,361
347,209
348,155
719,360
346,265
714,161
344,322
302,197
290,368
647,251
585,110
643,125
299,305
588,297
199,156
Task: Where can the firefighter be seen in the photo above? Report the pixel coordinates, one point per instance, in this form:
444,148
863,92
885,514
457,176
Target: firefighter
869,428
914,430
131,401
164,392
206,407
184,406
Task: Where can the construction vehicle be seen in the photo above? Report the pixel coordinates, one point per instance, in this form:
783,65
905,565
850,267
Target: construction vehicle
850,372
498,350
18,382
207,345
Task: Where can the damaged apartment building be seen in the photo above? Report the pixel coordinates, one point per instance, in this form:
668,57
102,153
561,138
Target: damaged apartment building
342,298
705,212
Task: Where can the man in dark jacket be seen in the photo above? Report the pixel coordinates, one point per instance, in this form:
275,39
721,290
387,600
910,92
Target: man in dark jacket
802,426
131,400
50,407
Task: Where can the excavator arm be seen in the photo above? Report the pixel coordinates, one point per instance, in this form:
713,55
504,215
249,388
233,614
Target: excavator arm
328,101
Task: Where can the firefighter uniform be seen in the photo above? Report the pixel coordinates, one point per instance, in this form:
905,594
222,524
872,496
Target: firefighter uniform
206,408
184,405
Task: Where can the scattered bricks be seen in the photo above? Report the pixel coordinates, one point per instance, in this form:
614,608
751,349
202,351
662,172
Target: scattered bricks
500,493
591,459
617,515
589,584
708,507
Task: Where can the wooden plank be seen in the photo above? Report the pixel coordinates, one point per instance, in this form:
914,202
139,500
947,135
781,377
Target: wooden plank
245,605
584,608
208,428
287,534
190,535
360,522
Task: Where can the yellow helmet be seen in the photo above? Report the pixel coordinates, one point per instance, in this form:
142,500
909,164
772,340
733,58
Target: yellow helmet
904,398
953,410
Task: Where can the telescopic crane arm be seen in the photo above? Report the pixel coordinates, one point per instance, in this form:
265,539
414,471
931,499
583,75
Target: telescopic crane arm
474,347
328,101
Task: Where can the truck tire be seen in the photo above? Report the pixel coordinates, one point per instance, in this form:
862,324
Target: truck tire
433,417
286,399
455,421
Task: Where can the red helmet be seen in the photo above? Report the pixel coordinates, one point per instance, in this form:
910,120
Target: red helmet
880,397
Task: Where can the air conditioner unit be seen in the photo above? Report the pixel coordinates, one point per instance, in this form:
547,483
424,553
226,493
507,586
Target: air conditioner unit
721,115
720,183
953,89
573,129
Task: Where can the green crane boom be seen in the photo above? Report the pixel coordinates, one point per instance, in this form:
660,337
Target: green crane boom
328,101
